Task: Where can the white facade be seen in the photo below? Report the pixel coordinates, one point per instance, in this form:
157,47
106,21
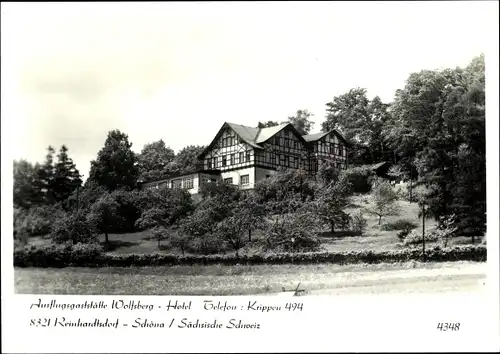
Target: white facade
190,182
243,178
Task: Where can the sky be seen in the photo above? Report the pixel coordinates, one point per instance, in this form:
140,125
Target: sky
177,71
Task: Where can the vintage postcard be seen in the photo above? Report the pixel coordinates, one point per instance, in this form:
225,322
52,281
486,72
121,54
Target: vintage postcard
250,177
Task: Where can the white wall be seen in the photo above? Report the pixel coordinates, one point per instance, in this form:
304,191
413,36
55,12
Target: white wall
236,176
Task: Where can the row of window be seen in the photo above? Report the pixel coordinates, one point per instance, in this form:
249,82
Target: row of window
244,180
230,141
288,143
233,159
330,148
185,183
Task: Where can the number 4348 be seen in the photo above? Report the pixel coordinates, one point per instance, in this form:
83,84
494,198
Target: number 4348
448,326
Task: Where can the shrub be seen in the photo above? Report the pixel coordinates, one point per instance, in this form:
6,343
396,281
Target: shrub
401,224
206,245
404,233
59,255
92,256
295,230
415,238
359,223
74,228
360,178
37,220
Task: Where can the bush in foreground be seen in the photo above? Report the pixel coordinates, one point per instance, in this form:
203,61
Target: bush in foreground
401,224
416,239
74,228
59,256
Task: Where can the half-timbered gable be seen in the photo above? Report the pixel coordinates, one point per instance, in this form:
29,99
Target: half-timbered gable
327,146
285,148
232,148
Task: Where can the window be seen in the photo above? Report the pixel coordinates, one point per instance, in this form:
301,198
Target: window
277,140
247,156
287,133
177,184
332,149
228,180
245,180
292,161
287,161
188,182
277,159
224,161
209,163
268,156
215,162
241,157
233,158
341,151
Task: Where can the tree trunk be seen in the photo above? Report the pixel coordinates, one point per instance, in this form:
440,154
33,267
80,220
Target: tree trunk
473,239
249,235
159,239
379,220
423,232
106,237
411,185
332,224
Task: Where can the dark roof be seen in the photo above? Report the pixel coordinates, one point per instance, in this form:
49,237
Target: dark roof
314,137
252,136
248,134
318,136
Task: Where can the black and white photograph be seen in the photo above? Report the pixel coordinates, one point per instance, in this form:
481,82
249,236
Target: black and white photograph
298,150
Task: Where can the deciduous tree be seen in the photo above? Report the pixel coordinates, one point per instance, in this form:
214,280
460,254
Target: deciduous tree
331,199
154,160
116,164
103,214
383,200
302,121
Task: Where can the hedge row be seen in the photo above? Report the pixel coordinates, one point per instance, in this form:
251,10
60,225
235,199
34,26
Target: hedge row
64,256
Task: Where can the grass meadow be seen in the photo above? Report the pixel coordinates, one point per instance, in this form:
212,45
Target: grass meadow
229,280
